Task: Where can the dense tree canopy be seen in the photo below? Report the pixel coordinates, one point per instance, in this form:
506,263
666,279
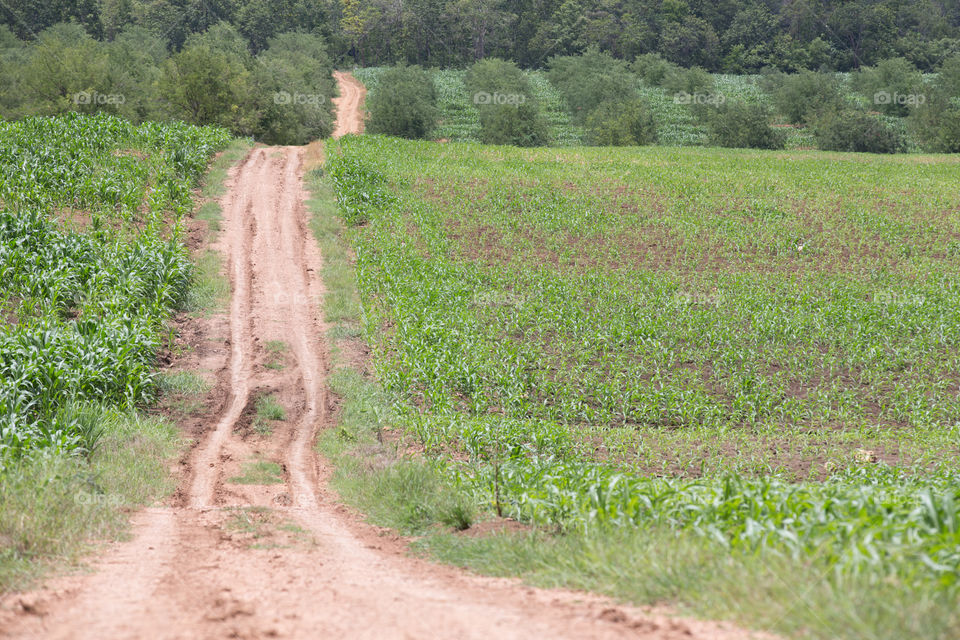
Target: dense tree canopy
280,94
720,35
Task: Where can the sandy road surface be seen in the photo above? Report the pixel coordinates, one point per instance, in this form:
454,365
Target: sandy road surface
284,560
349,104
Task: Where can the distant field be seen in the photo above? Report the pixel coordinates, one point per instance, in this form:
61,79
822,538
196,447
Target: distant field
459,119
677,126
759,346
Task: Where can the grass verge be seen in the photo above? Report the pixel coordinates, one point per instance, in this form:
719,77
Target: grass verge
52,506
211,287
764,590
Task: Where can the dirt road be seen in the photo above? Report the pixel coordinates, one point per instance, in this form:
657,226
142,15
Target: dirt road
349,104
240,555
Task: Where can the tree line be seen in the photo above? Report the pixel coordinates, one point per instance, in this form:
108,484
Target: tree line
887,108
281,95
732,36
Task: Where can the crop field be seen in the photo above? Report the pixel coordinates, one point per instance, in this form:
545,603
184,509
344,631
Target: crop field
91,266
459,118
759,347
677,124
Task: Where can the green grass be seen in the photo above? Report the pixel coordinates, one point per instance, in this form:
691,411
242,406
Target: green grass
53,507
268,409
275,350
409,495
211,213
211,287
764,591
341,304
252,521
627,345
264,529
183,393
183,382
259,472
275,346
214,185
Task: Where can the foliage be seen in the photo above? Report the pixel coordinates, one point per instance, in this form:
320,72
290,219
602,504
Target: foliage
691,81
805,96
509,111
744,125
404,105
734,37
937,126
857,131
653,69
684,119
893,86
459,116
283,95
296,89
625,123
209,86
85,307
589,80
936,123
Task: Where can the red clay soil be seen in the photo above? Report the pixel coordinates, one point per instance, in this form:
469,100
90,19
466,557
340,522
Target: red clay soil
225,559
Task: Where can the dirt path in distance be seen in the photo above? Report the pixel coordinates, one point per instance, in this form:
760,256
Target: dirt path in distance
349,104
254,545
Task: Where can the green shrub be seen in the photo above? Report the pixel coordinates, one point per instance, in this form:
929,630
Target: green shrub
653,68
806,96
893,86
858,131
744,125
521,126
947,83
205,85
64,63
281,97
936,123
691,81
937,126
295,86
621,123
509,112
404,104
589,80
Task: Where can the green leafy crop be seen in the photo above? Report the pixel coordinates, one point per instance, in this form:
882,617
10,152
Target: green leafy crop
91,266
